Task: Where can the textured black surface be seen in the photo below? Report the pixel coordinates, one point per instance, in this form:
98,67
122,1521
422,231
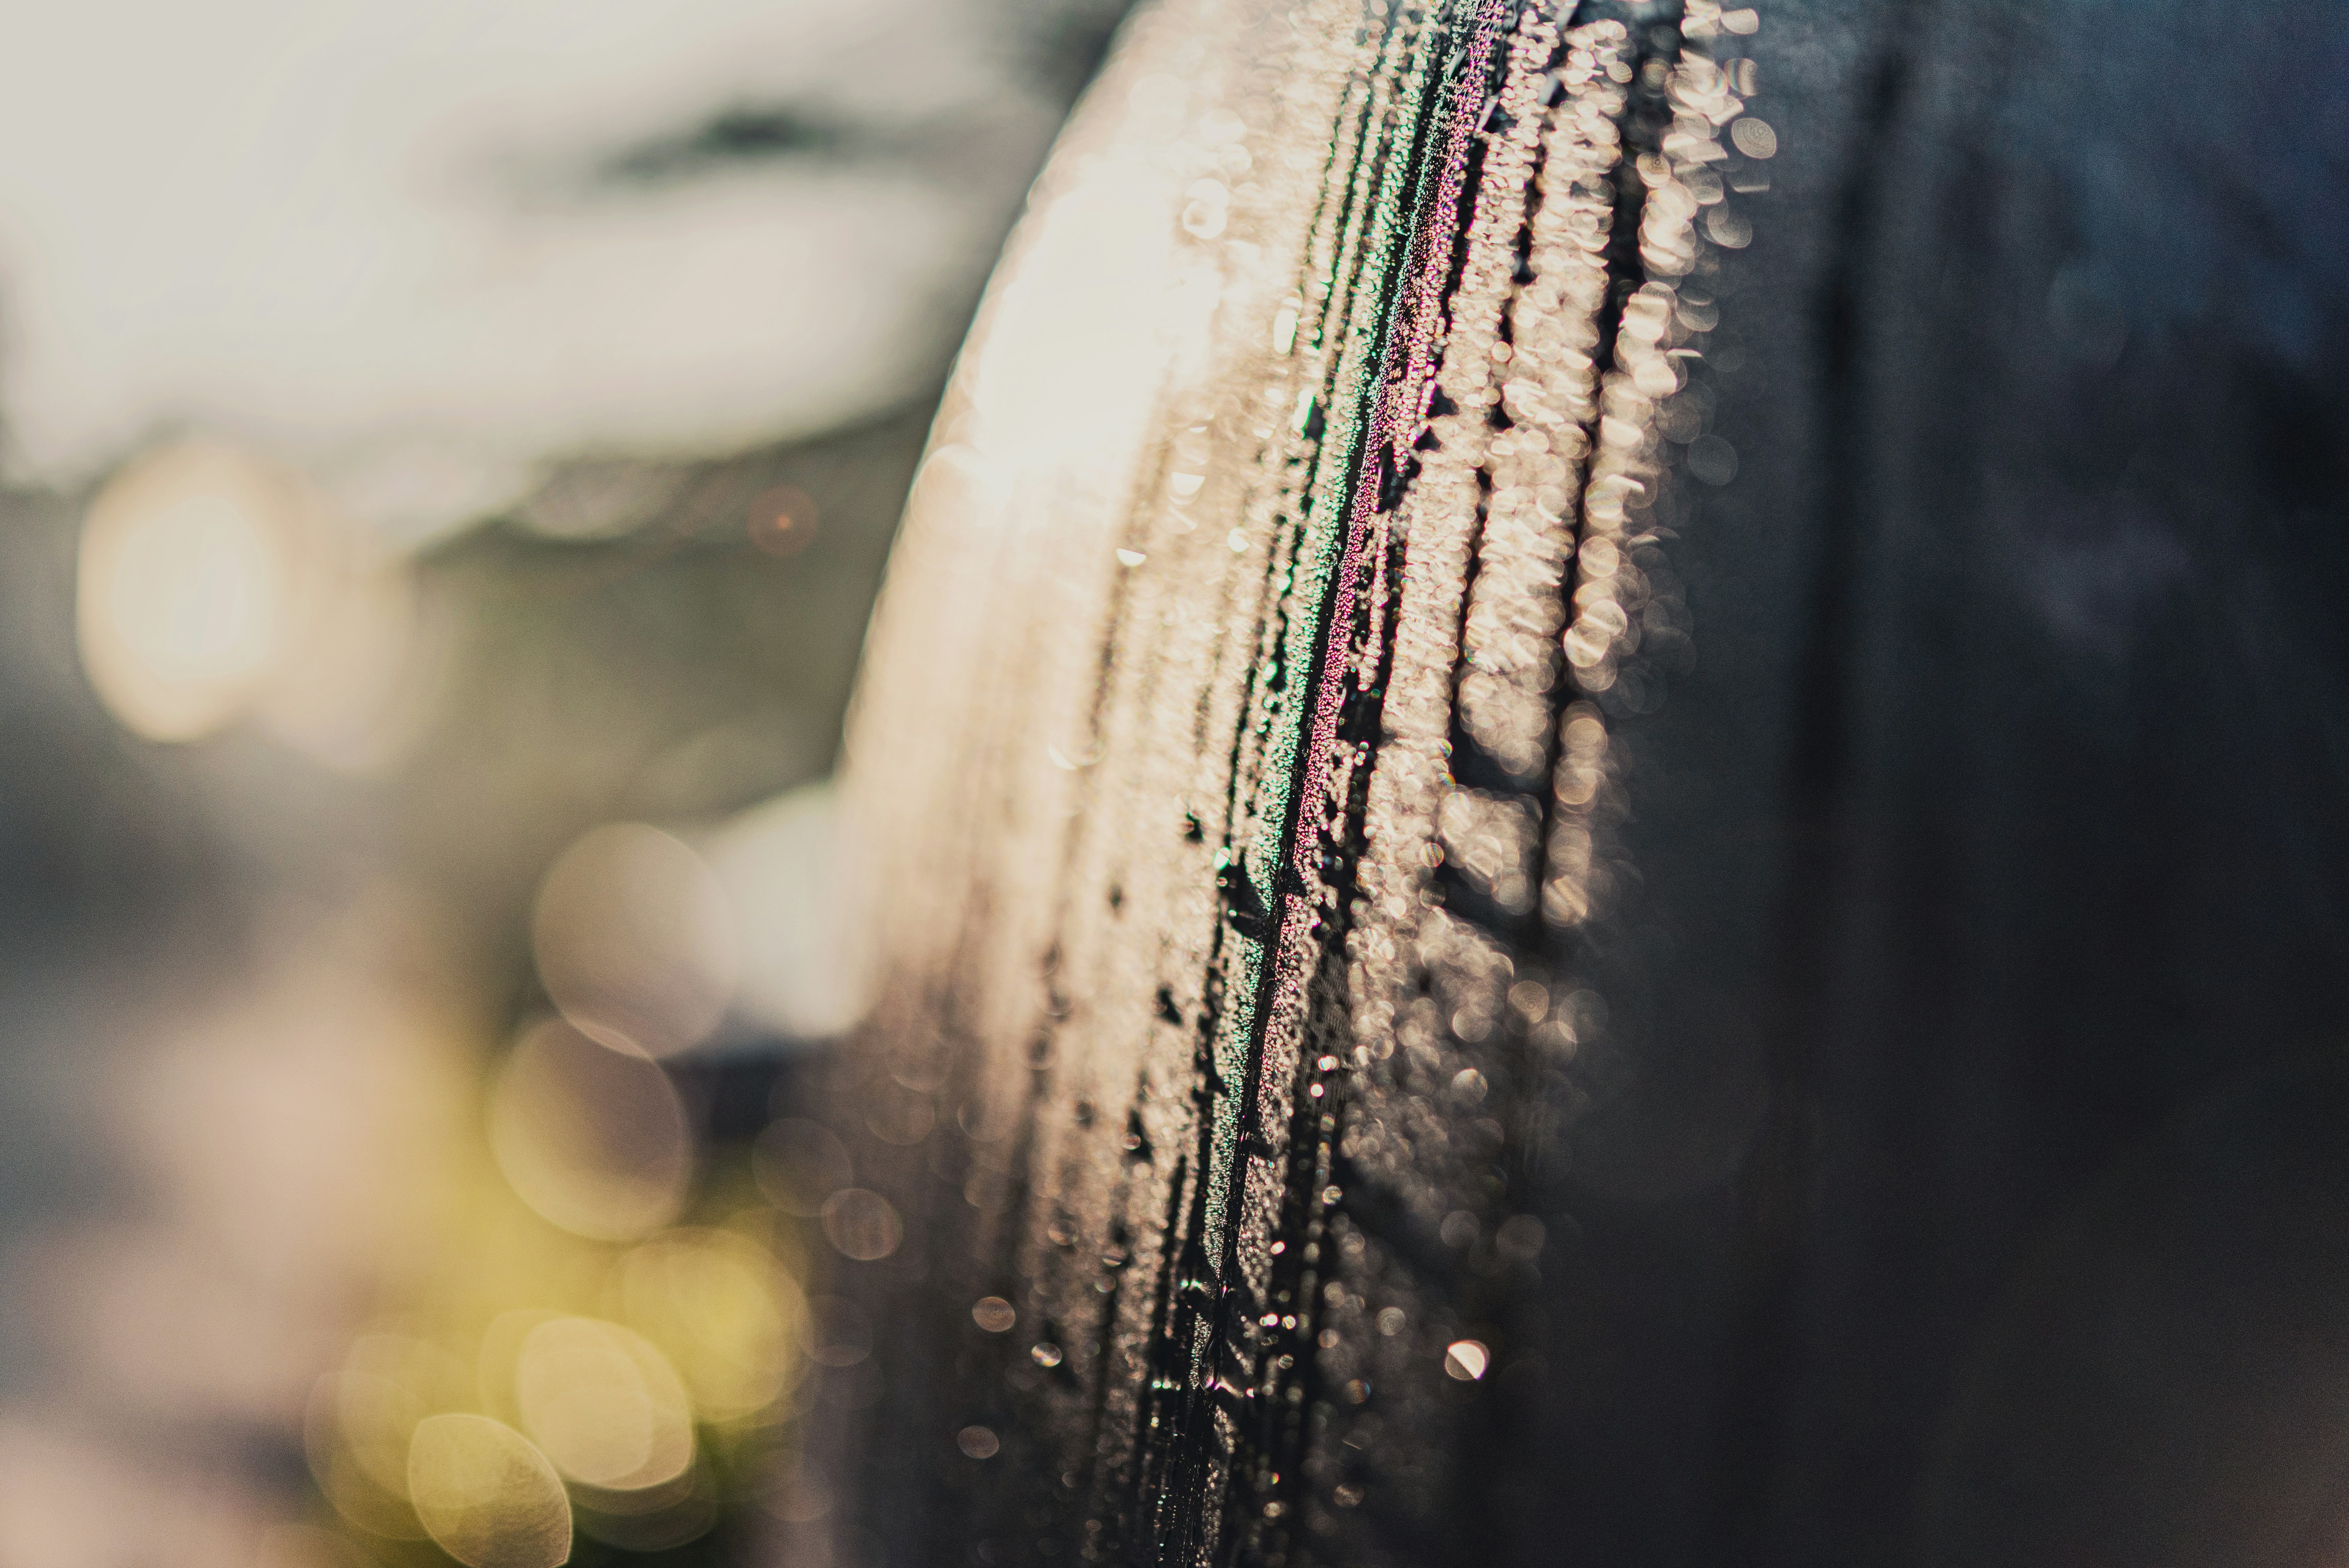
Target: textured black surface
1953,1171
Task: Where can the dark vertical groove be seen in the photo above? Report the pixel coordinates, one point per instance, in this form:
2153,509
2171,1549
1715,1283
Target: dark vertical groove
1779,1177
1498,1457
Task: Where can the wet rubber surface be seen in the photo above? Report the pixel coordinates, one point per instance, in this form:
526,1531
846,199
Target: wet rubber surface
1603,777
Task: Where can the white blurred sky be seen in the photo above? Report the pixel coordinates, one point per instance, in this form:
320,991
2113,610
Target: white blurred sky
365,237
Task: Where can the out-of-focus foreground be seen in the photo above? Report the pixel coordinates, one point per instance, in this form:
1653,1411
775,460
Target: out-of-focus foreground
448,458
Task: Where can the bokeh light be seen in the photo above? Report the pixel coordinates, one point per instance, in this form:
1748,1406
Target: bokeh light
730,1319
785,872
603,1404
862,1224
783,520
486,1496
1465,1360
214,586
357,1435
364,625
189,563
635,940
592,1138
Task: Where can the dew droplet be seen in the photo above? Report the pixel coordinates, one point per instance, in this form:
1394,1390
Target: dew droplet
1754,137
1465,1359
862,1224
1712,460
1519,1238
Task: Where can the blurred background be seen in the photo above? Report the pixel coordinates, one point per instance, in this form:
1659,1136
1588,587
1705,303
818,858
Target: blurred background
447,456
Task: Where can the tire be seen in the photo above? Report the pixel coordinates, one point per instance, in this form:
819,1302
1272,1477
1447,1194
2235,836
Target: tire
1493,956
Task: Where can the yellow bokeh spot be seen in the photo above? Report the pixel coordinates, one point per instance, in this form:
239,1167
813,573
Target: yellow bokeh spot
361,1419
730,1319
604,1404
592,1138
486,1496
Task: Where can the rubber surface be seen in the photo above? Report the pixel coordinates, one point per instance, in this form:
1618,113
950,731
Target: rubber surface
1603,773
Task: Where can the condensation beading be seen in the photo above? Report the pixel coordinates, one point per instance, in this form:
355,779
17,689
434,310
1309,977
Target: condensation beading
1236,750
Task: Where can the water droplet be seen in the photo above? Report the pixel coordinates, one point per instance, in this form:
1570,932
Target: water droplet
1754,137
1284,330
1465,1359
1712,460
862,1224
1519,1238
1730,230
